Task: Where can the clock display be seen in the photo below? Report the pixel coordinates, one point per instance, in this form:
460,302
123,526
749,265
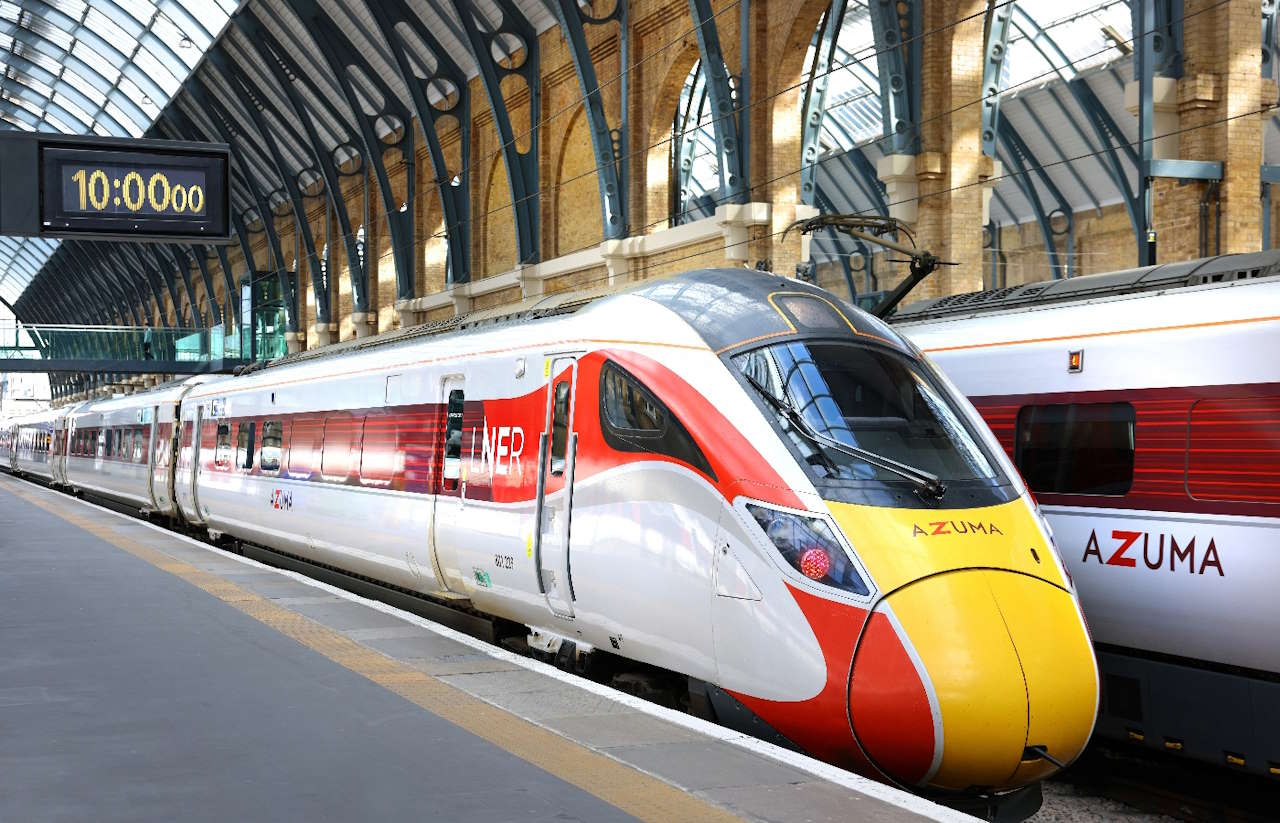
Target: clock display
134,190
170,194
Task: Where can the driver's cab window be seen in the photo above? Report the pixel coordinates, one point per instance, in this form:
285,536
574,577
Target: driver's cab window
452,469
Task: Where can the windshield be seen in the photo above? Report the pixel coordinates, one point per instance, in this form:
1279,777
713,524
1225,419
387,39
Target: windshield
867,399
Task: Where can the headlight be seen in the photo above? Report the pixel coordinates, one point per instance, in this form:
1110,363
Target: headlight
808,544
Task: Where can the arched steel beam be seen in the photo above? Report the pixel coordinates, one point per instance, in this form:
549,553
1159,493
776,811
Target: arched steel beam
863,173
184,257
169,263
608,144
255,104
196,254
85,258
227,130
823,202
815,100
1115,147
522,167
997,45
229,281
280,62
724,109
897,26
1269,37
1166,36
340,55
684,150
455,203
1023,163
1061,156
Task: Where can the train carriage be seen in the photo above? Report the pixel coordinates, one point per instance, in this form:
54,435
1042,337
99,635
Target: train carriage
121,448
36,440
1143,409
727,475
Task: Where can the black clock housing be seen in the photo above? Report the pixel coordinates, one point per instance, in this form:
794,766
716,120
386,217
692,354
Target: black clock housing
110,193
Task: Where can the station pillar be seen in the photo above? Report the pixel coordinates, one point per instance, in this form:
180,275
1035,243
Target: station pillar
951,170
1218,103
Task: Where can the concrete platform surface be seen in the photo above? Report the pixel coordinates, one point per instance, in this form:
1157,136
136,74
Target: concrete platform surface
147,676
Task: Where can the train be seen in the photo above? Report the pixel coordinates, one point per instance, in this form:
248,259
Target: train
725,475
1142,407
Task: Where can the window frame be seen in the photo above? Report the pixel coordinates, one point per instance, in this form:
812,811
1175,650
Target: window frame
1019,448
223,451
661,442
454,483
263,466
557,463
245,453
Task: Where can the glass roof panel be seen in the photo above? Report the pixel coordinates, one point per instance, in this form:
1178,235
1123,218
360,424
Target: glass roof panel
110,65
1089,32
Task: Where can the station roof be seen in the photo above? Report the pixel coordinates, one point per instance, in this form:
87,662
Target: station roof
176,69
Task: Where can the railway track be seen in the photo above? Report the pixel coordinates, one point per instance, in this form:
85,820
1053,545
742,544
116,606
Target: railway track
1113,781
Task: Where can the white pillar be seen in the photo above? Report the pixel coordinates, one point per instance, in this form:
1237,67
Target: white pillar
898,173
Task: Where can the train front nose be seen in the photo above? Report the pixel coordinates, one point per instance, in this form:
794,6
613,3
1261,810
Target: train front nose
1006,667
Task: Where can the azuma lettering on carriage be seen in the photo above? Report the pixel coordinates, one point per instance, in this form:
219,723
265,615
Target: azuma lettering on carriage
1135,549
941,527
500,450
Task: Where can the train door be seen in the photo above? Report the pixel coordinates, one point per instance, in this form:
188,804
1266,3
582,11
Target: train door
557,450
196,437
450,496
153,414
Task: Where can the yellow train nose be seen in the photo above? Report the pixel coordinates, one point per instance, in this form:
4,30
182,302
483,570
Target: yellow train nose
1009,667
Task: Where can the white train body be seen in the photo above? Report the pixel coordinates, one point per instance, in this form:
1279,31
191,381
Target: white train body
619,477
1174,536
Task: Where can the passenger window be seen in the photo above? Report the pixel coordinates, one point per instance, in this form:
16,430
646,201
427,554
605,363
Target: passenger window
380,460
120,443
272,444
1234,454
139,445
453,440
222,451
305,438
559,427
244,445
1076,448
335,457
632,419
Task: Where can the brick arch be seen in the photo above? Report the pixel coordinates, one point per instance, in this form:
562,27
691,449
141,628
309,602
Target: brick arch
498,234
578,218
657,159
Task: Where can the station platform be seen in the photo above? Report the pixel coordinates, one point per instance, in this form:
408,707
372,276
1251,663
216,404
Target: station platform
148,676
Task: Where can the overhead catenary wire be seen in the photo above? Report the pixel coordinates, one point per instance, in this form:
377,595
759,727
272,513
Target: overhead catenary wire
1087,155
1053,69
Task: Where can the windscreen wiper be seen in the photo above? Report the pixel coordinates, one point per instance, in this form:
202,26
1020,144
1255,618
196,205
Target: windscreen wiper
925,482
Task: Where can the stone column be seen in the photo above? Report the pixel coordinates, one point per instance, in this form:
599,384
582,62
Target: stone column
1219,90
951,170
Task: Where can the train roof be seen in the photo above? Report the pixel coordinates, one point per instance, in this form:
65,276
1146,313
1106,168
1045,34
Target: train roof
1183,274
727,307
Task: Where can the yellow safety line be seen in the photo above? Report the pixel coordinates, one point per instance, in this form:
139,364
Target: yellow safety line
634,792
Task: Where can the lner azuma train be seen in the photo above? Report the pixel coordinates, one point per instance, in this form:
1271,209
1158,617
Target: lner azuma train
1143,409
725,475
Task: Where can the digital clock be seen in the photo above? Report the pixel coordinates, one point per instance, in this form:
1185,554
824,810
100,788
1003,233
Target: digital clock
170,194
